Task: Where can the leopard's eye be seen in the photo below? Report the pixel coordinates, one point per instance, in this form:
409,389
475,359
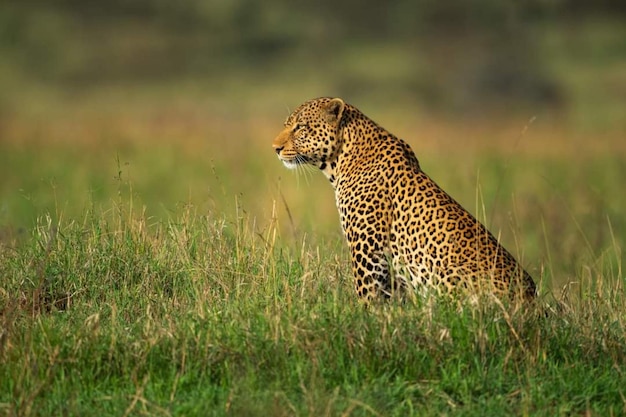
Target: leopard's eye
299,126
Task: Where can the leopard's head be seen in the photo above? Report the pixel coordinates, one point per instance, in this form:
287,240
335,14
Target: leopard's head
312,133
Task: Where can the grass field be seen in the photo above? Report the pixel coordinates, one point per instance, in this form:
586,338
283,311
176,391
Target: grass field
156,258
160,261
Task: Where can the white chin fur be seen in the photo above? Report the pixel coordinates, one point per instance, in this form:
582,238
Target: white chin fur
290,164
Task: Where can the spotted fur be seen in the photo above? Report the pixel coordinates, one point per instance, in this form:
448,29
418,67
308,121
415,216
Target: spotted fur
402,229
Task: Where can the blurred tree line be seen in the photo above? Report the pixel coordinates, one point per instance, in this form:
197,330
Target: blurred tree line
454,50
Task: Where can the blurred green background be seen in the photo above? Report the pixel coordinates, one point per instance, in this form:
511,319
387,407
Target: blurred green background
518,109
452,57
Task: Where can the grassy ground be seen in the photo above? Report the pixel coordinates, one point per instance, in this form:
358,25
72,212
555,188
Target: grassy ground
147,270
156,258
198,315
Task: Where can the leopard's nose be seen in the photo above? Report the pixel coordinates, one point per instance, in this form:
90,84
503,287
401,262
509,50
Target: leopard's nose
278,149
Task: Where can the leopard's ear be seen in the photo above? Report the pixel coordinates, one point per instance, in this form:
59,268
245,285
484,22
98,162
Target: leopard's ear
334,110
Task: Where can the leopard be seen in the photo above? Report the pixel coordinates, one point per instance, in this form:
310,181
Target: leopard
404,232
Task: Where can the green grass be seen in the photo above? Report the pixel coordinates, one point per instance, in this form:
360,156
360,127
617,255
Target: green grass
165,280
149,270
156,259
201,315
